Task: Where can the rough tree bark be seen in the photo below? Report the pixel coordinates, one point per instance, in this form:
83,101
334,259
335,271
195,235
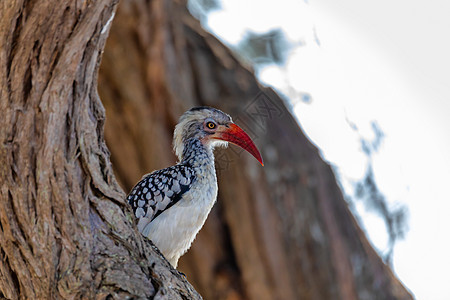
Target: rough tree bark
279,232
65,230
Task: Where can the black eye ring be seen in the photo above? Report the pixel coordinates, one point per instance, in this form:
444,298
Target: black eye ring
210,125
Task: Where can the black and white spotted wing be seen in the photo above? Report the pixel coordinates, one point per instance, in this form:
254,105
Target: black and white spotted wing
159,190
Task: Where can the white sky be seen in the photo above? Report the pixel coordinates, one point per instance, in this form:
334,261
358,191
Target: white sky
387,61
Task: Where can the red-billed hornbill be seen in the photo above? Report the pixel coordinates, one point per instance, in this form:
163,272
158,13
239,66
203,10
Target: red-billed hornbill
172,204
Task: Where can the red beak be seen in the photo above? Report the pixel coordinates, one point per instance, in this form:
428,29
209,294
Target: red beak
234,134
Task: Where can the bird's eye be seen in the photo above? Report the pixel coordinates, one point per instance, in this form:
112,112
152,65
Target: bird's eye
211,125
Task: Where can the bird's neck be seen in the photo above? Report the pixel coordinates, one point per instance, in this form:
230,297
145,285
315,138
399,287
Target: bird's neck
197,155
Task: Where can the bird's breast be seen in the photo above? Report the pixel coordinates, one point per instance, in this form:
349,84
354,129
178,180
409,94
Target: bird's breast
174,230
192,210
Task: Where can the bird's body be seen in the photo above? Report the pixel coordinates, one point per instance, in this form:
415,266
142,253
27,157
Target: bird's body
179,206
172,204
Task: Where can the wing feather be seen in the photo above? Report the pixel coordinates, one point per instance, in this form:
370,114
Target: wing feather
158,191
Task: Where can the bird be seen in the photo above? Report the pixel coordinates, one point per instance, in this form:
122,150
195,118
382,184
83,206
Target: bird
171,205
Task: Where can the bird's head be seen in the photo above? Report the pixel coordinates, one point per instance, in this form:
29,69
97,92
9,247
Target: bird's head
212,128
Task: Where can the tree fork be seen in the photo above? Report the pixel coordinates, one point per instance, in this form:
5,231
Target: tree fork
279,232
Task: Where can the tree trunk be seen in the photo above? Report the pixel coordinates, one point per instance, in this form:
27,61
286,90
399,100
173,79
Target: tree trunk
65,229
279,232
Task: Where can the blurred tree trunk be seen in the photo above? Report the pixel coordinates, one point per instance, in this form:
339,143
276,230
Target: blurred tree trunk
279,232
65,231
